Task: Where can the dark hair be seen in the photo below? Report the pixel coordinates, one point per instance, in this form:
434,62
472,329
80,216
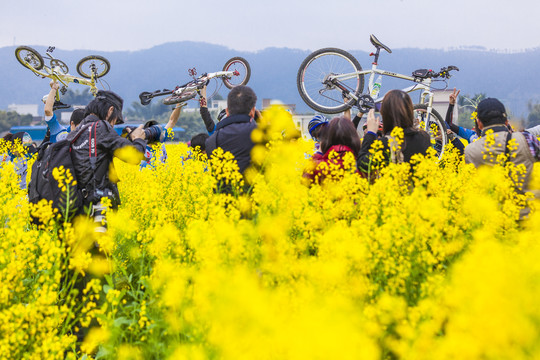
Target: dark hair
397,110
77,116
340,131
199,140
241,100
100,108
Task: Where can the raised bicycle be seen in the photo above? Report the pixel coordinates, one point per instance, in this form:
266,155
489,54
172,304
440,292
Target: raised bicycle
331,80
90,68
236,71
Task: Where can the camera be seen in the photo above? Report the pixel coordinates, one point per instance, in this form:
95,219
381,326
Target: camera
154,132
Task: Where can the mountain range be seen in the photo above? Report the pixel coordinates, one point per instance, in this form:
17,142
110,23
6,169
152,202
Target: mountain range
512,77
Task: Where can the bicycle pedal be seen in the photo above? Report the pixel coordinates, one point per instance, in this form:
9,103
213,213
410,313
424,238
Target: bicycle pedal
60,105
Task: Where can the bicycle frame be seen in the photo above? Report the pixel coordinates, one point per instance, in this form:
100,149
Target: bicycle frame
187,91
55,73
424,85
198,83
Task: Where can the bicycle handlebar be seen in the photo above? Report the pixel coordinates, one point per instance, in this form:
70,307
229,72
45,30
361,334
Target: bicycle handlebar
444,72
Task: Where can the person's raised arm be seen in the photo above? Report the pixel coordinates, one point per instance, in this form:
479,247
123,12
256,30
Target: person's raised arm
363,159
56,130
175,115
51,98
205,113
452,102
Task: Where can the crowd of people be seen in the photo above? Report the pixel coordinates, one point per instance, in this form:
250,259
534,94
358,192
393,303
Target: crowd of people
93,142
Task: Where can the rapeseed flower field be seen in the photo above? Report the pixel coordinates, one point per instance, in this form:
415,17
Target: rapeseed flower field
202,263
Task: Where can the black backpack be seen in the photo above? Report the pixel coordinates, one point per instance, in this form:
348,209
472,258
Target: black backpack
42,183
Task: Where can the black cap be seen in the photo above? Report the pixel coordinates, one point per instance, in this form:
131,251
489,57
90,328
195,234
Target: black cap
115,100
490,108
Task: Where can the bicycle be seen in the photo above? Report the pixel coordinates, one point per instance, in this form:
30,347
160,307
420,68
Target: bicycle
90,68
236,71
331,80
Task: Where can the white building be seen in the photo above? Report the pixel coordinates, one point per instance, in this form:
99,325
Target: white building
23,109
65,116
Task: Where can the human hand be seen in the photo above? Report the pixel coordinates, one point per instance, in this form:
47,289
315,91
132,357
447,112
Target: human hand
372,123
257,115
138,133
453,97
180,105
202,98
54,85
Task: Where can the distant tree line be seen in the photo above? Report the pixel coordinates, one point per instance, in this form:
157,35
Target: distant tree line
467,104
11,118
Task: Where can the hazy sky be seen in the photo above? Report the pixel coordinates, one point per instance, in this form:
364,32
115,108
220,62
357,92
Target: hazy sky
110,25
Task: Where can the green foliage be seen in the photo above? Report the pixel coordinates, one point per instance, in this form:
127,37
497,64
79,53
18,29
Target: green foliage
193,124
11,118
143,113
76,97
467,104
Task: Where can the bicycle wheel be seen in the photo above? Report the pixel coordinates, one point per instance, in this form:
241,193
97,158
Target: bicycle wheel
317,92
55,63
241,67
29,57
93,64
434,125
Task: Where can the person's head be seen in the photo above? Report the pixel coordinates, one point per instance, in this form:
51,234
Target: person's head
199,141
316,127
397,110
22,138
489,112
76,117
340,131
106,106
241,101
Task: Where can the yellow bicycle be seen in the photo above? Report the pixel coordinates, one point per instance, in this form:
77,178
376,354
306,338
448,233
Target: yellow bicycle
90,68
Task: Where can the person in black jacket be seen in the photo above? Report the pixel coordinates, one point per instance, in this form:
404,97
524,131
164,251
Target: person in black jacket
95,146
233,133
397,111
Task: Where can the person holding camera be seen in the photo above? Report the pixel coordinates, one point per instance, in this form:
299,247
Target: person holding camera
397,111
156,134
94,144
233,133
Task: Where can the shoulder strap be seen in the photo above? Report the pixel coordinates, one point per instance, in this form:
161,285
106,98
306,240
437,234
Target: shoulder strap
215,139
506,150
79,133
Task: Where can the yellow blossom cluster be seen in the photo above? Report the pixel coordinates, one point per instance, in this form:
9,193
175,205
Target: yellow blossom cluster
200,262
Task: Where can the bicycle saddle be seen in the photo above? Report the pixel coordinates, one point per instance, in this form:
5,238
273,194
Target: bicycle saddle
378,44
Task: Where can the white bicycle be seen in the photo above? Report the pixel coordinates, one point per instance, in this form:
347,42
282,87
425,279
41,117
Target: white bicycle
236,71
331,80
